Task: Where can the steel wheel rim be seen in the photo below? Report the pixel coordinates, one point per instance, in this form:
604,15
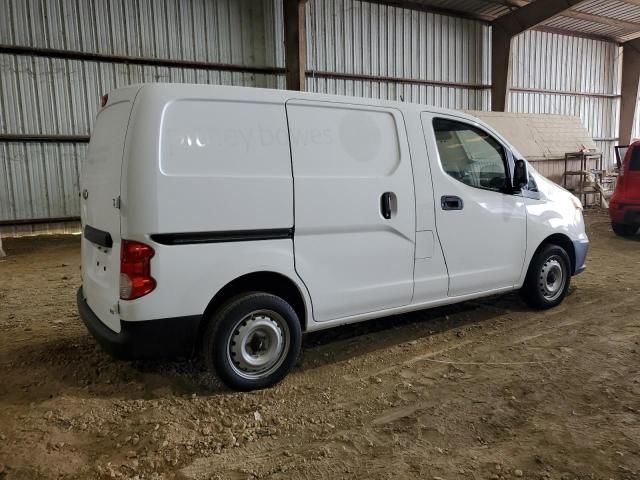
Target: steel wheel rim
258,344
552,278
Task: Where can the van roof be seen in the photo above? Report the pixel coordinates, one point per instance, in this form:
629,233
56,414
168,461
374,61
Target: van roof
257,93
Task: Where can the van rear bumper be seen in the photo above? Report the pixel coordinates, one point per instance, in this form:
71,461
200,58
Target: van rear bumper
162,338
632,216
625,213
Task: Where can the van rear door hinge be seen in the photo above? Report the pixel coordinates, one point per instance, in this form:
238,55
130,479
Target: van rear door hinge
116,202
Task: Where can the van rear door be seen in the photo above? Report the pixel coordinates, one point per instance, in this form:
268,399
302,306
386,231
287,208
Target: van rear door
100,208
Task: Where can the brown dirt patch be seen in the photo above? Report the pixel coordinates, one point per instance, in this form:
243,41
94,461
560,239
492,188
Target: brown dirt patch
482,390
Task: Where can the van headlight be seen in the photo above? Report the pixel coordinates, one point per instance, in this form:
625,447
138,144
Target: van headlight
576,202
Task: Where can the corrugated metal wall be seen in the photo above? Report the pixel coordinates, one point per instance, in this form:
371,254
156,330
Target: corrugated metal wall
551,73
569,75
45,95
421,57
414,48
240,32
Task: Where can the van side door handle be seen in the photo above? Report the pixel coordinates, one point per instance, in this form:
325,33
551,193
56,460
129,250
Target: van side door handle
451,202
385,205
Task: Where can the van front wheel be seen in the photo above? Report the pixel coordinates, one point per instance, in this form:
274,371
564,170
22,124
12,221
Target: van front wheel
252,341
548,278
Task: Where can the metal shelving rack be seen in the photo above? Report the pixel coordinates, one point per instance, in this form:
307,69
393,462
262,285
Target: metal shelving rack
582,189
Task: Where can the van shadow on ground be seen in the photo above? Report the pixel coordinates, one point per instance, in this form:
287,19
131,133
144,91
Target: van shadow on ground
57,366
320,348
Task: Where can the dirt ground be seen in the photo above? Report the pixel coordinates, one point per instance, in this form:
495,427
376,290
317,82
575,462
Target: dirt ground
482,390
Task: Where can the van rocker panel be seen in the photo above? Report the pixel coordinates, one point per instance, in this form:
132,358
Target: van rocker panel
162,338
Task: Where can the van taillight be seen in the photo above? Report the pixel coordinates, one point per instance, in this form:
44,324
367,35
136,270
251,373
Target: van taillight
135,270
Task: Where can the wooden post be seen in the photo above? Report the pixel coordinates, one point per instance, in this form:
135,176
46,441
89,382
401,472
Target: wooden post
504,29
500,68
630,89
295,40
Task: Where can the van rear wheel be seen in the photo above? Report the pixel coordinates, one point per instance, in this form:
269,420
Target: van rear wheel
252,341
623,229
548,278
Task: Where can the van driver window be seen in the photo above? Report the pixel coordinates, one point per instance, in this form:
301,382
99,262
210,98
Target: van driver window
470,155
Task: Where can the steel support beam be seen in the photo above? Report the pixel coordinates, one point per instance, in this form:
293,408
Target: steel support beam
420,6
391,79
123,59
630,89
500,69
504,29
39,138
626,25
37,221
295,43
572,33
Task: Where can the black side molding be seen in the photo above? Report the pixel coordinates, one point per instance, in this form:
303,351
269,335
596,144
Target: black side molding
99,237
222,236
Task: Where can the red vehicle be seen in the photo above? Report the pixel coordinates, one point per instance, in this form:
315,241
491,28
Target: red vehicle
624,207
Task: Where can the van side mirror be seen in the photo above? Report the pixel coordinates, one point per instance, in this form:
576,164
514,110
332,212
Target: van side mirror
520,178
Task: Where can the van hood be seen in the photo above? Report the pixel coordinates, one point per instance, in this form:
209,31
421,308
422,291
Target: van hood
562,210
551,191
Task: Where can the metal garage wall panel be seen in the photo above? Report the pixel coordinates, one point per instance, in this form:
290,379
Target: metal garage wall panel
53,96
39,180
274,35
587,70
244,32
349,36
551,61
354,37
60,97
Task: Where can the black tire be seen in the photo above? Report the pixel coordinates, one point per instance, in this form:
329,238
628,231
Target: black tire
258,319
623,229
540,290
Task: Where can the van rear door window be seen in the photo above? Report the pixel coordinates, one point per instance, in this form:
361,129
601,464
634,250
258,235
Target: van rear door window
220,138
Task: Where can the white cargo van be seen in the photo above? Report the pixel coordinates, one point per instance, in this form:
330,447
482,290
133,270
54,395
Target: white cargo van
230,220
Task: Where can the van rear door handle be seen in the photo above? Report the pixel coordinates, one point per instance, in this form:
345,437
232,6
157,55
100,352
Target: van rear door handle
99,237
451,202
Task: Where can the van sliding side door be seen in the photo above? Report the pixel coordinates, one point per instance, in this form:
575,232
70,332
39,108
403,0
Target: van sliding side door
354,207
